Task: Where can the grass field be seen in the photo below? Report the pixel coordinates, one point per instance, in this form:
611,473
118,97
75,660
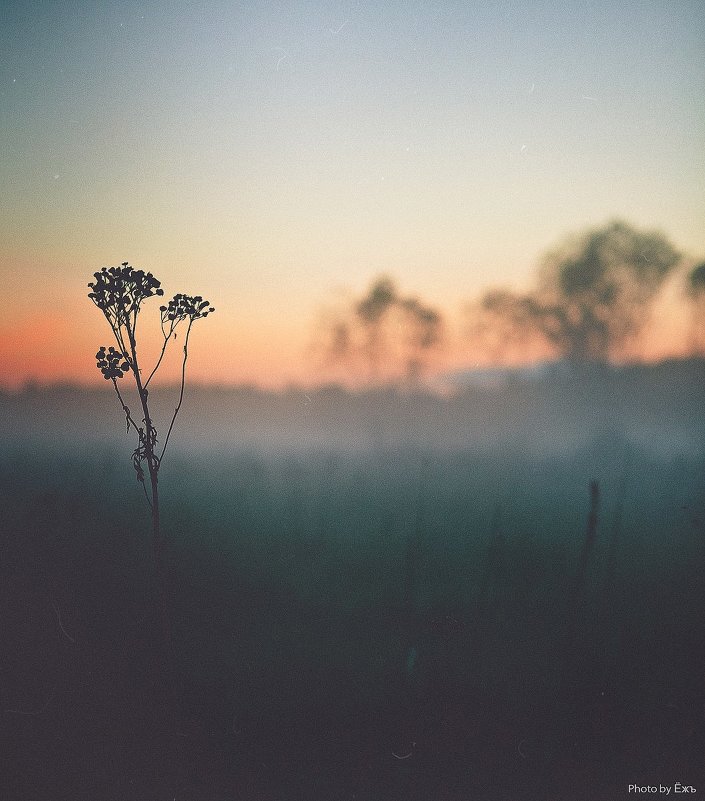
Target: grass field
397,620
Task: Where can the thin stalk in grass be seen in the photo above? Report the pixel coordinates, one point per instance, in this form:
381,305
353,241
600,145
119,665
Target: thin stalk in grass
493,564
589,542
577,599
616,534
413,569
489,581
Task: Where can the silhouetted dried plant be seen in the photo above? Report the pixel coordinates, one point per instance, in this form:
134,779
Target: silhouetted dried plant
119,293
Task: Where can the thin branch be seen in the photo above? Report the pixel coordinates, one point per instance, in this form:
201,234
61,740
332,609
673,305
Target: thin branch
146,494
181,393
146,436
117,331
149,438
128,416
167,337
133,351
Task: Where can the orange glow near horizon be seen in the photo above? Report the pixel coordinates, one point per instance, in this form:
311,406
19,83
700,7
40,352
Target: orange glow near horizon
49,348
252,155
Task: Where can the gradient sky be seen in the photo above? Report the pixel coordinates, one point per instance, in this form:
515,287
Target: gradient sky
270,156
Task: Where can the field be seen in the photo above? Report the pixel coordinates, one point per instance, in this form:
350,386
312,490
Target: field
372,597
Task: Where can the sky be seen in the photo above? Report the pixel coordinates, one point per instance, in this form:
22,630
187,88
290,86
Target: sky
277,157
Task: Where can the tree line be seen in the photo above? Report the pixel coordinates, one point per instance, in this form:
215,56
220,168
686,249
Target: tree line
593,296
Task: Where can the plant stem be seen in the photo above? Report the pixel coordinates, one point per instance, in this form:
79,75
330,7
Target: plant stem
167,337
128,416
576,609
181,393
590,536
153,469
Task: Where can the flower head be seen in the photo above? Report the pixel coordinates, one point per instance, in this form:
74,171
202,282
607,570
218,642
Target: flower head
119,291
111,363
185,307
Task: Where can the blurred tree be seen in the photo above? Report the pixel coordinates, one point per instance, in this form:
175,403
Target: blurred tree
371,313
423,333
594,294
696,293
502,325
385,333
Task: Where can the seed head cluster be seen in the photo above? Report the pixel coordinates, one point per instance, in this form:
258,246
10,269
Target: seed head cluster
119,291
111,363
185,307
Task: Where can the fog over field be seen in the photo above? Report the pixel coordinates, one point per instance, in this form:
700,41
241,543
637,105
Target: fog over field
499,585
352,382
658,408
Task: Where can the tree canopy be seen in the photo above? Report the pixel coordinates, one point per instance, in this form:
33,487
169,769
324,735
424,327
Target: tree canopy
594,293
696,281
387,334
696,293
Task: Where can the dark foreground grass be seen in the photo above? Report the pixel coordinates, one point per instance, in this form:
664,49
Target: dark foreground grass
410,624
